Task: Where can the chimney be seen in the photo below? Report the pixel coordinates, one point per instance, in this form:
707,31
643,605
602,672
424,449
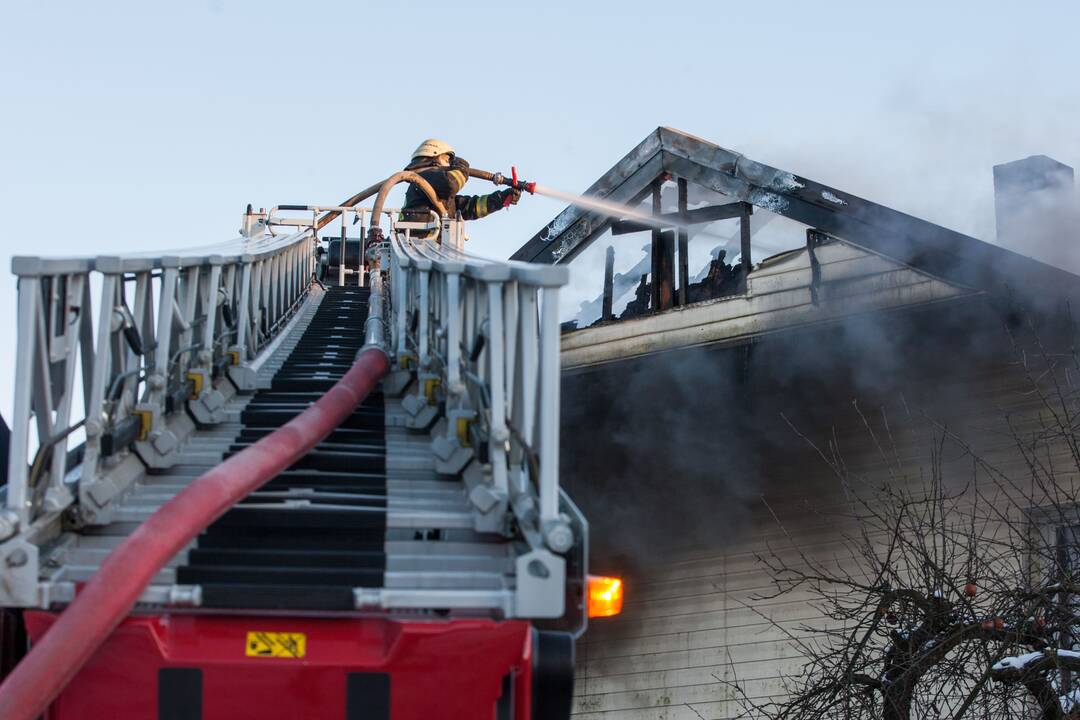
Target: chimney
1033,198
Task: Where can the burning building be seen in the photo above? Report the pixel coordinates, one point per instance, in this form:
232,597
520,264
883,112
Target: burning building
764,347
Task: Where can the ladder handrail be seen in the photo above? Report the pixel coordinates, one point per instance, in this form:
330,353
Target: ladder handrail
112,591
135,338
234,250
475,344
504,386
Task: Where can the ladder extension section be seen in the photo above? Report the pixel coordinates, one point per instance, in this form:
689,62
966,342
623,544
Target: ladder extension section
239,453
113,590
313,533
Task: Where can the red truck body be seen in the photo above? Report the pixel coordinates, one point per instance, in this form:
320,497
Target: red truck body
203,667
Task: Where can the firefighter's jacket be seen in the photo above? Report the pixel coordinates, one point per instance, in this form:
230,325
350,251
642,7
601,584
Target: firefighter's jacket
446,182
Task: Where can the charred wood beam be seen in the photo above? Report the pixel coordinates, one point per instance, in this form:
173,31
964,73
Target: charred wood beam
665,253
950,255
744,244
684,244
708,214
657,251
939,251
813,239
609,283
574,228
590,225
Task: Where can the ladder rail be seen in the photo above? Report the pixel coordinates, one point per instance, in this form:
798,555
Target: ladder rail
112,348
152,345
114,589
477,342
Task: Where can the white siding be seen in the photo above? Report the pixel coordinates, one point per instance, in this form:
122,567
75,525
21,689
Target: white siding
693,618
853,280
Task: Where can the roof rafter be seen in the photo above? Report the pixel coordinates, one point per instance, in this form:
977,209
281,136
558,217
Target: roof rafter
939,251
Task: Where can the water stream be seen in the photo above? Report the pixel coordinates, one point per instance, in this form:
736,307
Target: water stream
619,210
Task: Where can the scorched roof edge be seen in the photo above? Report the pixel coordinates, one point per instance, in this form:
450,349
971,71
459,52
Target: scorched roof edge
939,251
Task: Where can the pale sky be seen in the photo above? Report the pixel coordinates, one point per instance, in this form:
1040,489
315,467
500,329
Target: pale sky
141,125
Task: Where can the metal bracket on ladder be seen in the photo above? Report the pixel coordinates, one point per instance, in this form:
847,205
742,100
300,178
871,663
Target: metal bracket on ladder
118,359
477,343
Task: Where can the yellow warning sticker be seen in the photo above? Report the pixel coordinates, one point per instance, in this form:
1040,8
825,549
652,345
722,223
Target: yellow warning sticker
276,644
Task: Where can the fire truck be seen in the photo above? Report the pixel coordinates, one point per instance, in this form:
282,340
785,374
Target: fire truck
300,474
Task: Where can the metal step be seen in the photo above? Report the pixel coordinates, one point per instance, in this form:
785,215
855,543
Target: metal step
362,520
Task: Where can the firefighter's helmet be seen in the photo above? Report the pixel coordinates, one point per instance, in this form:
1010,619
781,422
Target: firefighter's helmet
432,148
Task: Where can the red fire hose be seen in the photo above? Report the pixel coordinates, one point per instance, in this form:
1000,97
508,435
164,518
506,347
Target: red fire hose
111,593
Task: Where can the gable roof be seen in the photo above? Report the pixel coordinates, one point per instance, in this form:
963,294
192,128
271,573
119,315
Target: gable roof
923,245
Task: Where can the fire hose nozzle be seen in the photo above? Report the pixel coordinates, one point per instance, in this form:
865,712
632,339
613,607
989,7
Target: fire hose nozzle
499,179
512,181
529,187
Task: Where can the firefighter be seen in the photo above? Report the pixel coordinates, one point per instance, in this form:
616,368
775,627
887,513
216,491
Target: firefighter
436,162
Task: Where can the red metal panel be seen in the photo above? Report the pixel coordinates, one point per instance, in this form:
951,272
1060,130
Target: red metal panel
112,591
440,669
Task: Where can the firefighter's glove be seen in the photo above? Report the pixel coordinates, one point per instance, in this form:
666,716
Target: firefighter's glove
510,197
459,163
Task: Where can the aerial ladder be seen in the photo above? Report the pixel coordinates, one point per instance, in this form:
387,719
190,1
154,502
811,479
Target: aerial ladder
291,476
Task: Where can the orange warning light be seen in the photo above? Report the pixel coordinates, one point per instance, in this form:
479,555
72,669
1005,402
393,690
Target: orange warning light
605,596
